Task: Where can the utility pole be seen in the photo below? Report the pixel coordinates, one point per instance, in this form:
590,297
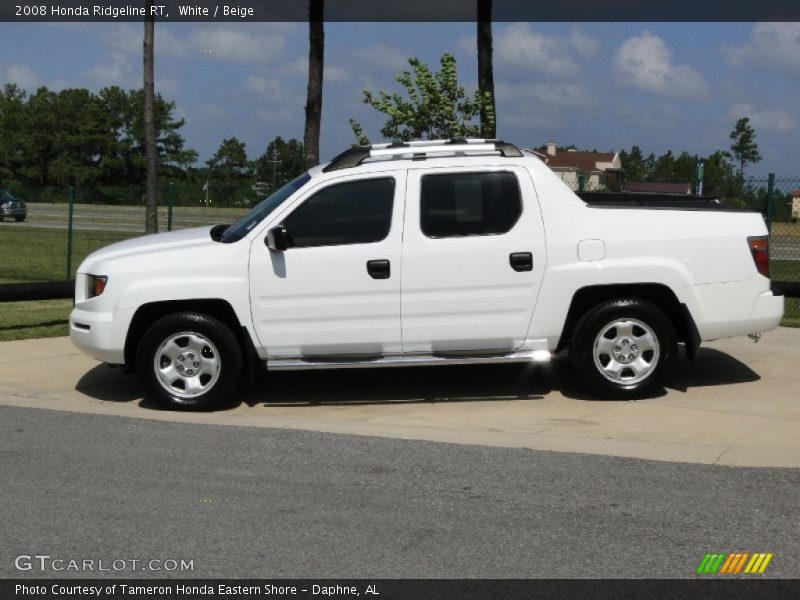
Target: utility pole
274,162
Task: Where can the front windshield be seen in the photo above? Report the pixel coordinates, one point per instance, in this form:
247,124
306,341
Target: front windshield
261,210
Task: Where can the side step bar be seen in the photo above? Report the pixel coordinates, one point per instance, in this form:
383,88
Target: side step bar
294,364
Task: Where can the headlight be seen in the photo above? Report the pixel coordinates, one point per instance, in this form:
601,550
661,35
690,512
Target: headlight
97,285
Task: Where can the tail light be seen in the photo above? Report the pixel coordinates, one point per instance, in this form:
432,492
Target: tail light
759,248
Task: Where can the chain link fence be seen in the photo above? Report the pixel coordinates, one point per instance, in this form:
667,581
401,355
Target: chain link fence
64,225
781,209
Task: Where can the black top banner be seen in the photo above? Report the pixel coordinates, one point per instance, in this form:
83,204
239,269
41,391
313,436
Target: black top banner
404,10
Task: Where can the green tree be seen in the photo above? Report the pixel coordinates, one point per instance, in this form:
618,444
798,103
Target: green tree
282,161
230,163
744,147
637,167
78,139
435,106
12,131
230,175
169,143
83,138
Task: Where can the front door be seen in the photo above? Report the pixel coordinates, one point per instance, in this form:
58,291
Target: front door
336,290
473,260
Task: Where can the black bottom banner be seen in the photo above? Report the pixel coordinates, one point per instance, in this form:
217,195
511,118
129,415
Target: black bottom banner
391,589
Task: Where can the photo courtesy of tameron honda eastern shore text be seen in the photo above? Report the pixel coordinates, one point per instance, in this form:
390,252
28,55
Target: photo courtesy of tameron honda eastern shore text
428,253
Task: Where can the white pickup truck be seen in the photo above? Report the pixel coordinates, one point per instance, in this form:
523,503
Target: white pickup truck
427,253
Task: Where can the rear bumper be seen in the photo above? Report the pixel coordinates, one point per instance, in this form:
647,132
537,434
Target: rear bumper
733,309
767,312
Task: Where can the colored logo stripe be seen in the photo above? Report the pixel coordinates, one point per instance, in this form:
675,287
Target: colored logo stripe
734,563
758,563
711,563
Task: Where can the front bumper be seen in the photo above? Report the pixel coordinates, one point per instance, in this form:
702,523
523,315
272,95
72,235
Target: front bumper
13,212
97,334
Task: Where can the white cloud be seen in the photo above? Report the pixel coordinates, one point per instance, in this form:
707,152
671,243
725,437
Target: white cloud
23,76
235,44
259,42
550,94
115,70
774,46
379,57
521,47
585,46
299,68
645,63
769,119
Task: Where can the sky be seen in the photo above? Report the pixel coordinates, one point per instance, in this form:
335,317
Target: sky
604,86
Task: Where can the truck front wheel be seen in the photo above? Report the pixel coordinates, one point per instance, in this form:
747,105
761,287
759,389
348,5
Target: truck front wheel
620,349
189,361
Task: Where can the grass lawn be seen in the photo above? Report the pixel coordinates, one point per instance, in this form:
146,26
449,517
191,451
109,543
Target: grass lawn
36,319
38,254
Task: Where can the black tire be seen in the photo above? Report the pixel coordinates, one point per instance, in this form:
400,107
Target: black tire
602,373
19,218
190,330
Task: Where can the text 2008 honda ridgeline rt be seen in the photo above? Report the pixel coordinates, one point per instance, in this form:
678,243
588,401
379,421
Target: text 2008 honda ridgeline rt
427,253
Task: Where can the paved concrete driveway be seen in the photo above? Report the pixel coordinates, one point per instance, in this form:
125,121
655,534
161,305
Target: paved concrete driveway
739,404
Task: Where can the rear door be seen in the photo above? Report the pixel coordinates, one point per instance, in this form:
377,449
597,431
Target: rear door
473,260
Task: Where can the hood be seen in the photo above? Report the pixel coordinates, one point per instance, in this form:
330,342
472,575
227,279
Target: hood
182,238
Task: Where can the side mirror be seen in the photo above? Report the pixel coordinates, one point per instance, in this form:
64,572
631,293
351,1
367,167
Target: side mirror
277,239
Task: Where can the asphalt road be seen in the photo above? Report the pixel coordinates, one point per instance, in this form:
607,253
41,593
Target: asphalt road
242,501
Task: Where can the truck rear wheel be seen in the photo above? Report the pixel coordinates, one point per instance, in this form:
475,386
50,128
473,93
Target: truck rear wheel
189,361
620,349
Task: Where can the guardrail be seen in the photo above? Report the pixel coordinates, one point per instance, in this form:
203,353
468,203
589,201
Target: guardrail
44,290
790,289
55,290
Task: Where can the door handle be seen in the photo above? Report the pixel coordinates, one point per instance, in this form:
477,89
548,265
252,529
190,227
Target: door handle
379,269
521,261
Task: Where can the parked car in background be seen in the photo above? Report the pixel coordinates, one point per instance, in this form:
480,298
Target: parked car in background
12,207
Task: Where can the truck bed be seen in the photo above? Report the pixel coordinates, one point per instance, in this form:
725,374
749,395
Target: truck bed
655,201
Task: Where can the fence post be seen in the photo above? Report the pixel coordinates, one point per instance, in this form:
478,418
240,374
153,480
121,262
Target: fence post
170,204
770,196
69,231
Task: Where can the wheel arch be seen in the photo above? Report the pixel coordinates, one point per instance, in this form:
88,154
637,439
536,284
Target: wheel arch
657,294
149,313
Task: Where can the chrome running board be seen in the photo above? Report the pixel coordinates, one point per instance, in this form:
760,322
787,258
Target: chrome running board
296,364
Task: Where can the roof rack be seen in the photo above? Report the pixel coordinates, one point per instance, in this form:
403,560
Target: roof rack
420,150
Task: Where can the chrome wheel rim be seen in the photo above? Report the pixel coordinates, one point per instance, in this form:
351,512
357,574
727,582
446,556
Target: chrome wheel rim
626,351
187,364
